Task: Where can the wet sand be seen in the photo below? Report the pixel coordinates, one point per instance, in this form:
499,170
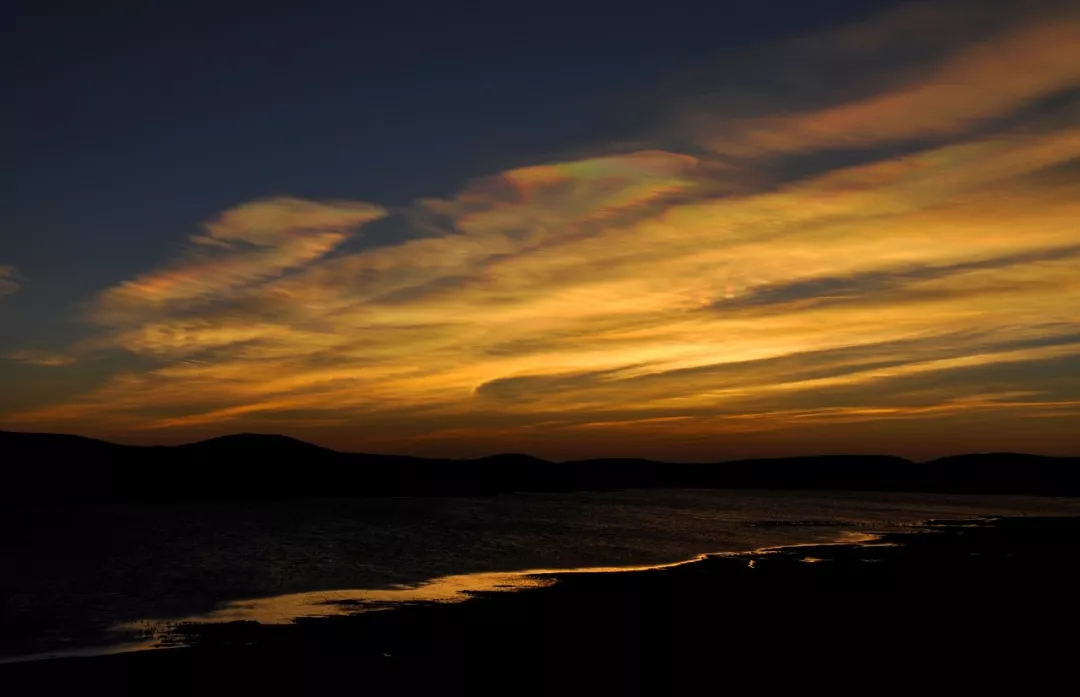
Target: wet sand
948,605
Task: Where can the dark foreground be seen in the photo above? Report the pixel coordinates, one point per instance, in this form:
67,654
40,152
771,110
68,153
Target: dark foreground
950,606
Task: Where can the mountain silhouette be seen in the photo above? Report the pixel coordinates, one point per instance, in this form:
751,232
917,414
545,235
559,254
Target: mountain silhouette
40,466
253,442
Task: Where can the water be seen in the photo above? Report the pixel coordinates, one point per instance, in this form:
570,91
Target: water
71,578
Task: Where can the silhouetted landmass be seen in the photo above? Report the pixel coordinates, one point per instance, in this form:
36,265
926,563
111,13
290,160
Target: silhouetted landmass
966,607
252,466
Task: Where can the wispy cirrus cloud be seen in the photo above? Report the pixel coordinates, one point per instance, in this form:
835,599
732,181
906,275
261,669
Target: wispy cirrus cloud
245,245
993,60
982,82
9,280
655,295
41,358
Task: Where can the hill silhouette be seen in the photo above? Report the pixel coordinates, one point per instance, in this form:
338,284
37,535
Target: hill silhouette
44,467
254,442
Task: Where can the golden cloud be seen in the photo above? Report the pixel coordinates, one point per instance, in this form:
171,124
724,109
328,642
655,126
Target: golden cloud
248,244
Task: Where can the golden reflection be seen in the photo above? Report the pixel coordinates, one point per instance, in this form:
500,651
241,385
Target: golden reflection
285,609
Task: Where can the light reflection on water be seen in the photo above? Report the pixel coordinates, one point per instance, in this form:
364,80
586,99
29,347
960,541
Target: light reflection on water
288,608
285,609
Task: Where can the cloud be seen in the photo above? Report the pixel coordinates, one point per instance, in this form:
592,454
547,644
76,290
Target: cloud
990,75
9,282
41,358
650,295
245,245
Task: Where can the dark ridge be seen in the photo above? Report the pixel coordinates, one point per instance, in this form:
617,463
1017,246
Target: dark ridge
513,458
1011,458
54,441
46,467
253,442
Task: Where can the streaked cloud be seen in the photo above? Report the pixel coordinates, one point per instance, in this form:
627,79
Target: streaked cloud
41,358
1029,54
248,244
653,296
9,280
978,84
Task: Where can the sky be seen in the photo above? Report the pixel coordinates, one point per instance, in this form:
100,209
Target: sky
572,229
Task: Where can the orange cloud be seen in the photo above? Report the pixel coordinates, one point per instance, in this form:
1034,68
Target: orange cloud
993,77
247,244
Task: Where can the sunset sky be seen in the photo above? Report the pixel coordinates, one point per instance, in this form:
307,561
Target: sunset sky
572,230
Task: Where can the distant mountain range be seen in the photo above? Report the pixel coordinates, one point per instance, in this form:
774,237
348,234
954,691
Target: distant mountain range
40,466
